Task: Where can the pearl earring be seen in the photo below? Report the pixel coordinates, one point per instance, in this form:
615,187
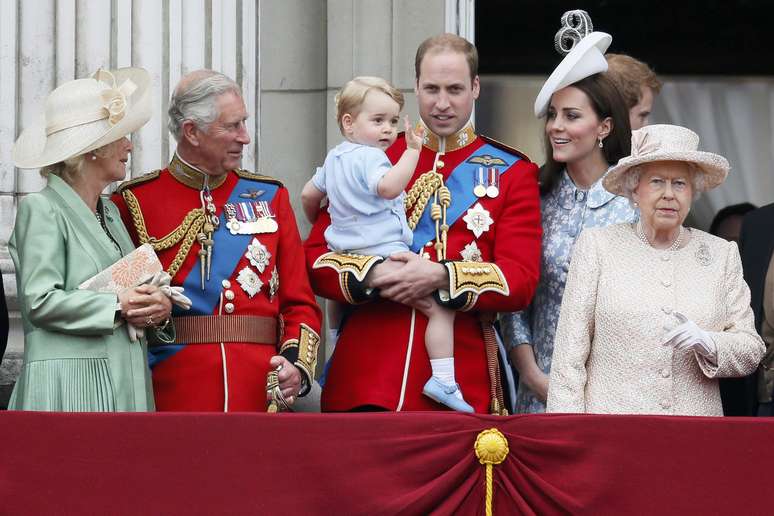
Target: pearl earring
600,142
93,157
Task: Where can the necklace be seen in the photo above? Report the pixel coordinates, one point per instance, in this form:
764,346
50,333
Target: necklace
675,245
105,229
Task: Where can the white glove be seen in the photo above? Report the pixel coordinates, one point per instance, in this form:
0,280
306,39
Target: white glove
175,294
688,336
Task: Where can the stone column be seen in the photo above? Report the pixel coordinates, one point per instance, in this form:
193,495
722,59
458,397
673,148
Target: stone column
290,56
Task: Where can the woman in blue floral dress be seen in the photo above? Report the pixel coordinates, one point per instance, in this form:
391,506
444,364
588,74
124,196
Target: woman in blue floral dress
586,131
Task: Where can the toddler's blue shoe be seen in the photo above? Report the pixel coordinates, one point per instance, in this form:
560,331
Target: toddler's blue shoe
444,394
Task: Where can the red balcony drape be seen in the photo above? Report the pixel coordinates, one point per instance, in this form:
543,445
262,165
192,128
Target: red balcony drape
382,463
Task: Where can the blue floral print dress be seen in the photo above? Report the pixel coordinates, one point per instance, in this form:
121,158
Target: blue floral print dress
566,211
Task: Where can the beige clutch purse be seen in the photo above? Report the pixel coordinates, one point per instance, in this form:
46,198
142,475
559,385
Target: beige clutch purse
134,269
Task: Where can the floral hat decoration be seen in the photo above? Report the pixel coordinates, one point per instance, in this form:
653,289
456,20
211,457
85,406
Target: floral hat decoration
85,114
663,142
584,55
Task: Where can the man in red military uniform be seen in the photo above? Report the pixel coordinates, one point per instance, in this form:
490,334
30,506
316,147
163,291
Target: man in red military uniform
230,238
474,208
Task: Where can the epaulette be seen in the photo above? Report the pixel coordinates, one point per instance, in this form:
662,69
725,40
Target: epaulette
244,174
138,180
506,148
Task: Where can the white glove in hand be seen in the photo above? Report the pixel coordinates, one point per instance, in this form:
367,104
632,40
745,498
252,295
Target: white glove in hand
688,336
163,280
175,294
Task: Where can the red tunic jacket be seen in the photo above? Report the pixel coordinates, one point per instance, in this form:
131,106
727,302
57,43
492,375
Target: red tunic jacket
204,377
380,358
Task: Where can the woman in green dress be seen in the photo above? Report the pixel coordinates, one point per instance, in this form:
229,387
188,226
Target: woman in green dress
77,354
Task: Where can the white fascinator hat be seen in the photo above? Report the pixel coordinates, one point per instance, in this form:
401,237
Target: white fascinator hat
584,55
85,114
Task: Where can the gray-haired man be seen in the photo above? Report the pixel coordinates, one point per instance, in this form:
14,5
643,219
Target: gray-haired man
230,238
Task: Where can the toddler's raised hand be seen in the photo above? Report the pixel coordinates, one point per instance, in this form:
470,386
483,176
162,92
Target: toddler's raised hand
414,137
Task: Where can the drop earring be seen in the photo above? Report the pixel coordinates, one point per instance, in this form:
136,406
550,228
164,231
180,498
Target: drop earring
600,143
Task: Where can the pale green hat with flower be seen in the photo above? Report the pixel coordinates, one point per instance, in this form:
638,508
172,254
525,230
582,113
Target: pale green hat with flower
85,114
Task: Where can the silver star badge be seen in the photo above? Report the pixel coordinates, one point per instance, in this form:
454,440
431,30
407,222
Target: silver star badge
258,255
471,253
249,281
273,283
478,219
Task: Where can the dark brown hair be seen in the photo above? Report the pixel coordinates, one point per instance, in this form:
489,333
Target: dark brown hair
606,101
450,42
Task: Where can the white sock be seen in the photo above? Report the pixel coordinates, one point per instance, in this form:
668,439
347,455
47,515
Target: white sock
332,335
443,370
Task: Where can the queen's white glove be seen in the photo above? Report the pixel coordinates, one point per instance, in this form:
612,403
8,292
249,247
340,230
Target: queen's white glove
688,336
175,294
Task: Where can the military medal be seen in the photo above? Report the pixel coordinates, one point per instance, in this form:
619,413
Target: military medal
471,253
250,218
478,220
249,281
258,255
273,283
493,182
479,190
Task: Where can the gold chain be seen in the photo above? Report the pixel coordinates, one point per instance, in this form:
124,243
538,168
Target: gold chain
185,232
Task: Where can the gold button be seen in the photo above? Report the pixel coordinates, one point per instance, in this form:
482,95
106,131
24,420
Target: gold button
439,164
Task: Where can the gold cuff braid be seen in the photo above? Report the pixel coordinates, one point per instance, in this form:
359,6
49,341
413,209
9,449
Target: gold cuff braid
476,278
357,264
307,343
185,232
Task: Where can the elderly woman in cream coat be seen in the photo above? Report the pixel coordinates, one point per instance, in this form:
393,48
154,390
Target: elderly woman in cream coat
654,313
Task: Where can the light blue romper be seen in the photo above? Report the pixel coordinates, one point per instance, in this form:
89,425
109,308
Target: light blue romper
361,221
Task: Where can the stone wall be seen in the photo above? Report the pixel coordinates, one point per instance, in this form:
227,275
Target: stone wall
289,56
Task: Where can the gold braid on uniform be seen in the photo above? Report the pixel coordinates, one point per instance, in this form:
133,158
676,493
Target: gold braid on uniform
427,185
185,232
419,194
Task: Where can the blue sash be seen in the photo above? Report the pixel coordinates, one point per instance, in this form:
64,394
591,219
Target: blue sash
460,183
227,251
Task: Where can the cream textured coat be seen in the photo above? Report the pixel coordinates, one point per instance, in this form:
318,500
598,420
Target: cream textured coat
617,306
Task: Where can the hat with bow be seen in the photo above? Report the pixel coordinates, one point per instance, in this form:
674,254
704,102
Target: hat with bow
85,114
663,142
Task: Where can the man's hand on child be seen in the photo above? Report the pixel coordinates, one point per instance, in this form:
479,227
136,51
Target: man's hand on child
417,278
414,137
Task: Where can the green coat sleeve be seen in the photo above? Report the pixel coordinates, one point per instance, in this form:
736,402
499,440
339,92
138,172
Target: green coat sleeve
40,247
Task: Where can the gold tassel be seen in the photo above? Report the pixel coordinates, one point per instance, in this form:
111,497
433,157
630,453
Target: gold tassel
491,448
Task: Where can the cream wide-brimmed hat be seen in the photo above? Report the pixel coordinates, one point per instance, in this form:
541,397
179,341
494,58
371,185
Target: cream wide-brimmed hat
85,114
584,55
662,142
